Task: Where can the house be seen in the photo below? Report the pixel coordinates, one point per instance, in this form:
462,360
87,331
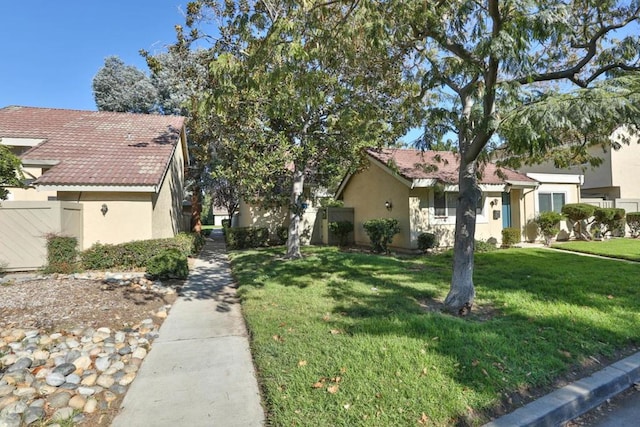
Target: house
275,217
123,175
419,189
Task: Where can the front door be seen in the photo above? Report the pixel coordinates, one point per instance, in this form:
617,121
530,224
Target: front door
506,210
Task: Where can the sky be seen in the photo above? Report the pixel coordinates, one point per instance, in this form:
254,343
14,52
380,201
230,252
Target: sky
51,50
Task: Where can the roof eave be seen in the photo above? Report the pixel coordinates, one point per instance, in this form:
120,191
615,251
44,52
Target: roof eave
98,188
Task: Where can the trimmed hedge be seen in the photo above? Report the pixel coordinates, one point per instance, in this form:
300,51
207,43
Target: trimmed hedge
381,232
578,211
246,237
427,241
62,256
341,229
633,221
510,236
609,219
133,255
168,264
548,222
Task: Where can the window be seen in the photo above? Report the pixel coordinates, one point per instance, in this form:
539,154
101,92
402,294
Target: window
550,202
445,204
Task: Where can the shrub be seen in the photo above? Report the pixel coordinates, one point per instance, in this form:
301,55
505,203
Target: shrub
381,232
246,237
633,221
341,229
427,241
549,225
62,256
330,202
577,213
168,264
282,233
226,223
510,236
133,255
610,220
482,246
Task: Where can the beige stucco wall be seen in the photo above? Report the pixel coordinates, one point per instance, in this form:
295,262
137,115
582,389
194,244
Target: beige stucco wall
129,216
30,194
624,173
423,219
367,193
250,215
166,217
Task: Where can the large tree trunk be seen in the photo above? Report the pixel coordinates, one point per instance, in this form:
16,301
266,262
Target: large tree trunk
462,292
295,216
196,210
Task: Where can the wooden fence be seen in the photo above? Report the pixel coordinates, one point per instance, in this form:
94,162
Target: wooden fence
25,225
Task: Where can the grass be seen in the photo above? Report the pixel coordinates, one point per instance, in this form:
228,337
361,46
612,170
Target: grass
348,339
622,248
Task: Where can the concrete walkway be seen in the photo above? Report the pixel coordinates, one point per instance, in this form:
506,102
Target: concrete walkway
199,371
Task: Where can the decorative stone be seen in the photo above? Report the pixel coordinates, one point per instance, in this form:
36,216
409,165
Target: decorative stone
40,355
17,407
62,414
139,353
86,391
65,369
82,362
55,379
91,406
73,379
89,380
22,363
10,420
59,400
105,381
6,390
102,363
33,414
77,402
8,400
27,392
127,378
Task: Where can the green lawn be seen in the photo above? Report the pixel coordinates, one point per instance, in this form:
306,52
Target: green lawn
623,248
348,339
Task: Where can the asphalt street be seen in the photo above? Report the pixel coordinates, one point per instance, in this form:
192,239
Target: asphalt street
623,411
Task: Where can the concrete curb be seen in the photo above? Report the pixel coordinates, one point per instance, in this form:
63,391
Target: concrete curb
576,398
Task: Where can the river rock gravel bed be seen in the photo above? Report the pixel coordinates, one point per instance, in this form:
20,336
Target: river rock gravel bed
71,345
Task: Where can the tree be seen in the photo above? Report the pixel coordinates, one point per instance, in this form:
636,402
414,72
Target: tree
306,89
123,88
483,59
10,171
225,194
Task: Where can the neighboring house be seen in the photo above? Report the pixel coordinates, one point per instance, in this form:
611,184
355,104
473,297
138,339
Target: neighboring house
615,178
253,215
419,189
124,172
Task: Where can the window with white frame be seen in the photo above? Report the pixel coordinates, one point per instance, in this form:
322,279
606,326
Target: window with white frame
551,202
445,204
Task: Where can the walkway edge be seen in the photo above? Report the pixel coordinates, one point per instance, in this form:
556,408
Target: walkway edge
576,398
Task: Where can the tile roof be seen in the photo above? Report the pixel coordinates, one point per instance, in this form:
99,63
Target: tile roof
440,165
95,148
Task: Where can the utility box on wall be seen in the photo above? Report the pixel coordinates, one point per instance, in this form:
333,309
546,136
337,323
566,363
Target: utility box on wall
496,214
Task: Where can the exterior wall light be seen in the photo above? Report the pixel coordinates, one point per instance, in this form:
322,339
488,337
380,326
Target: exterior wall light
388,205
104,209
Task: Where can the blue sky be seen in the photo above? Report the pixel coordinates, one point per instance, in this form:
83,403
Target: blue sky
51,50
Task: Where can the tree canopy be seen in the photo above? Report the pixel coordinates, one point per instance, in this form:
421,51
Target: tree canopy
10,171
481,60
123,88
301,89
